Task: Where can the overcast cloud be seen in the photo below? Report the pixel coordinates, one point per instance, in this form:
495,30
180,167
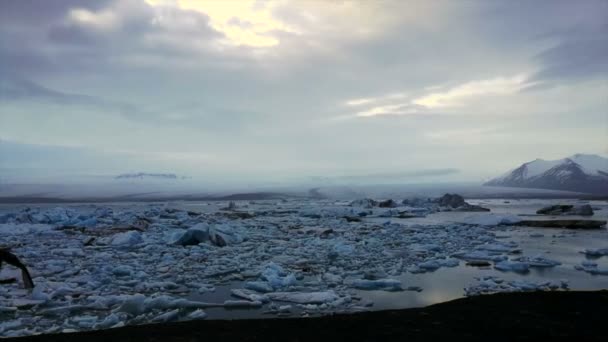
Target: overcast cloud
285,89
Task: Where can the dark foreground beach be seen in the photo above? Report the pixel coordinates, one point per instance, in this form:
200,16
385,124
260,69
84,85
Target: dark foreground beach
575,315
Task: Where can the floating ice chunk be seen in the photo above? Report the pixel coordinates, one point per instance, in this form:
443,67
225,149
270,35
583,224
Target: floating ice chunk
241,303
223,235
591,268
364,203
341,249
480,255
277,277
197,314
259,286
108,322
433,264
596,252
491,219
165,302
69,252
127,239
513,266
194,235
167,316
378,284
62,291
68,309
123,270
429,247
10,325
285,308
249,295
500,247
332,279
133,305
539,261
304,297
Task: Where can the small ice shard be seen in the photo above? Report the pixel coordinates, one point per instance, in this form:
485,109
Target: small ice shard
480,255
379,284
304,297
539,261
241,304
197,314
491,219
285,308
194,235
259,286
513,266
122,270
596,252
108,322
591,268
500,247
223,235
127,239
364,203
133,305
37,294
167,316
433,264
277,277
249,295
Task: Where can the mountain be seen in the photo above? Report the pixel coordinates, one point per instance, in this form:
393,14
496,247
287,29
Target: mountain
581,173
143,175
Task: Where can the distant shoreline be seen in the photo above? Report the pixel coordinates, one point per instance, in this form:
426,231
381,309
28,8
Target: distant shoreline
506,316
256,196
132,198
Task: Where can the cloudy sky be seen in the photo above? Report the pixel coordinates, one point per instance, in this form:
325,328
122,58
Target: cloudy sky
263,90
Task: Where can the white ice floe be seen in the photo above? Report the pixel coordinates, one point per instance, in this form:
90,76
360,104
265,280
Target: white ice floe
378,284
591,268
197,314
538,261
512,266
491,284
249,295
127,239
596,252
218,234
491,219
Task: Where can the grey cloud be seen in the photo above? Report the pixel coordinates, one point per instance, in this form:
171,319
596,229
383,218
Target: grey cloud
38,13
580,58
18,89
267,105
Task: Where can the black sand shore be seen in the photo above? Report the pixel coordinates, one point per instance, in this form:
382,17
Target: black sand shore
554,316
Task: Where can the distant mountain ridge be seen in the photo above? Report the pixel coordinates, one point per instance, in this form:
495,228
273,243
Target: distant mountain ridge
143,175
586,173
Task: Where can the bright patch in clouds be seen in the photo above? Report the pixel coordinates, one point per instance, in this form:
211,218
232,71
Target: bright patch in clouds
429,98
456,95
243,22
359,102
104,20
392,109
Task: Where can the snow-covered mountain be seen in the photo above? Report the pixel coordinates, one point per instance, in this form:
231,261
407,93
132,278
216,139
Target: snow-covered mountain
580,172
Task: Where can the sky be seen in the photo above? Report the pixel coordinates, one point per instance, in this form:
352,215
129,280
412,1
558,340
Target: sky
267,90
